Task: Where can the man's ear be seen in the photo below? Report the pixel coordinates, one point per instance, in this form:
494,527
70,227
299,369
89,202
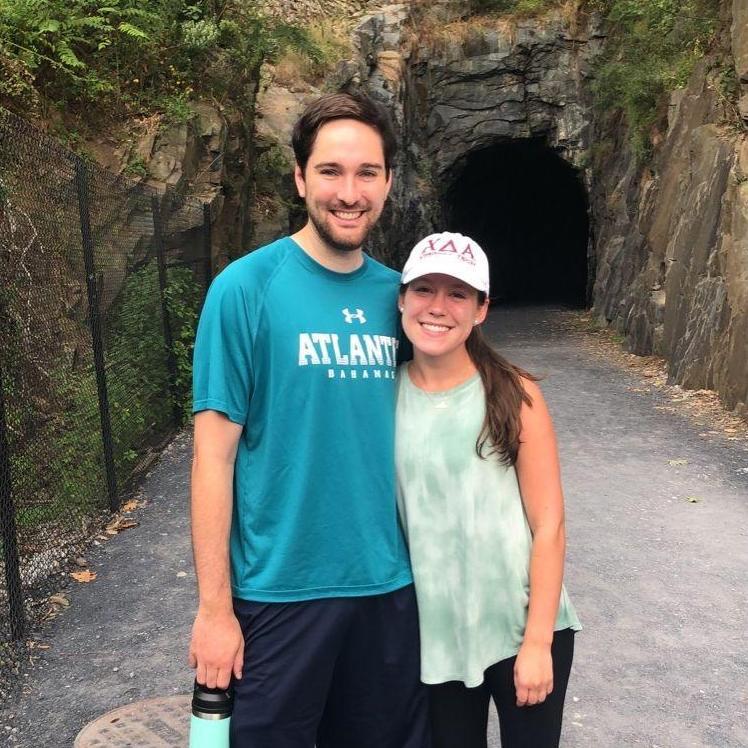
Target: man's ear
298,177
388,184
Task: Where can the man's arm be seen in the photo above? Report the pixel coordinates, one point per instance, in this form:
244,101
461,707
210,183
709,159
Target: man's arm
217,647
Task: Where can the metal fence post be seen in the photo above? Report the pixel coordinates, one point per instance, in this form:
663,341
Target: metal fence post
97,338
171,361
8,526
207,247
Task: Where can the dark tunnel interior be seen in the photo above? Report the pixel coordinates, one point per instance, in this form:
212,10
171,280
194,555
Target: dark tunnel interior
527,208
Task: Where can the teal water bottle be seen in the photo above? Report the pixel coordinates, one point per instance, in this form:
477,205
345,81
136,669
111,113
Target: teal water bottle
211,717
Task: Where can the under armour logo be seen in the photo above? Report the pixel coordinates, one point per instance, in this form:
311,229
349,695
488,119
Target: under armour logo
349,317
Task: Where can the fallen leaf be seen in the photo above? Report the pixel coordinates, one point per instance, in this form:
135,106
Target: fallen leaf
693,499
674,463
60,600
84,576
120,523
131,505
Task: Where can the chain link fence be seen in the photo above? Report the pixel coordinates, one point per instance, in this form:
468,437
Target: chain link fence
101,281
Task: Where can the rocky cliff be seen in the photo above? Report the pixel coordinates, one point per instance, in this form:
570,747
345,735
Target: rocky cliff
671,238
667,256
668,251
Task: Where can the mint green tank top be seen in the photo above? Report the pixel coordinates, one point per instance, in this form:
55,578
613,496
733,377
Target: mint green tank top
467,532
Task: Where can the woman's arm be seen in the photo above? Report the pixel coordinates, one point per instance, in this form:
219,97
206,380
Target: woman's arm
539,478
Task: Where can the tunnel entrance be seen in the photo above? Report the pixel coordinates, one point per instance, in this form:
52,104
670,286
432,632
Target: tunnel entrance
527,208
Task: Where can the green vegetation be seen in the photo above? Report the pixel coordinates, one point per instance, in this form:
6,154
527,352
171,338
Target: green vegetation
326,43
652,48
271,165
123,55
183,300
58,467
515,7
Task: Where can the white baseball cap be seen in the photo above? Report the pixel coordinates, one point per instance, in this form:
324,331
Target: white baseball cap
449,254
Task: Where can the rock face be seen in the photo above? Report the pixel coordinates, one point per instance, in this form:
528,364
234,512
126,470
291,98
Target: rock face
490,86
740,39
672,243
668,251
207,159
451,96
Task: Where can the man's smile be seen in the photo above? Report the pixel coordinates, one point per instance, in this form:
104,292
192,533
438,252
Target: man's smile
348,215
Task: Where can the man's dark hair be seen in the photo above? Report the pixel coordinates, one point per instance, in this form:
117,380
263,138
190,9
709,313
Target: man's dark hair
334,106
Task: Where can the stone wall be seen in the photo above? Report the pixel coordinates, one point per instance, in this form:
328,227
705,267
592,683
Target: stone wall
668,253
671,239
451,95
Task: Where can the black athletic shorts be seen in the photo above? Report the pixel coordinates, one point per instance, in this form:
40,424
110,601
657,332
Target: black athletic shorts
335,673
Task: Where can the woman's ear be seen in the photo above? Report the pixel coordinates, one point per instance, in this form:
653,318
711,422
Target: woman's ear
482,313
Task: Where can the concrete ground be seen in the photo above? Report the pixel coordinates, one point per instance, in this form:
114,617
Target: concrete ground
657,518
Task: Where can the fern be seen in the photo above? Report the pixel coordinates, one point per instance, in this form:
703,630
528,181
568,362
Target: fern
111,53
132,31
67,56
48,25
91,22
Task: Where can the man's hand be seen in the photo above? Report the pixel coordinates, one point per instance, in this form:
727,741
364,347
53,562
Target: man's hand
533,674
217,648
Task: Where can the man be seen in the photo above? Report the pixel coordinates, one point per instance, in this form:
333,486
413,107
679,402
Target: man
294,398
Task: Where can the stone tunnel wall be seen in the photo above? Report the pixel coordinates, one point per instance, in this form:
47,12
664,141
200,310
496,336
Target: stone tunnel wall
453,95
668,257
668,252
671,239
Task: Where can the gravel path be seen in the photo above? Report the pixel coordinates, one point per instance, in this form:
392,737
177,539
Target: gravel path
657,511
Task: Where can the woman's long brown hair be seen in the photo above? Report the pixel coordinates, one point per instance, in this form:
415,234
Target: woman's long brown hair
505,394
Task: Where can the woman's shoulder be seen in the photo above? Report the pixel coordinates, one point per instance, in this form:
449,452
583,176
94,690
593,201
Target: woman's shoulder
531,388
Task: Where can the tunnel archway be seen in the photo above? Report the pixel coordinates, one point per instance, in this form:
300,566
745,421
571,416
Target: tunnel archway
527,208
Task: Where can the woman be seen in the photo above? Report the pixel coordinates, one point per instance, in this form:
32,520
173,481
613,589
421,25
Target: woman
482,508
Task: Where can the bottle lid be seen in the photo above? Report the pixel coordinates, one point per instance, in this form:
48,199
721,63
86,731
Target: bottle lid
208,701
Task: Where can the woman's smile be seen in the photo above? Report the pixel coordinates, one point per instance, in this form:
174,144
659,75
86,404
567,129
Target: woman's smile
435,328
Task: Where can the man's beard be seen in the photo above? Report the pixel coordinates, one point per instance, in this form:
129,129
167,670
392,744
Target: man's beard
340,245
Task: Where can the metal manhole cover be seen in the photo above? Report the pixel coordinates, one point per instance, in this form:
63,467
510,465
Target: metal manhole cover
154,723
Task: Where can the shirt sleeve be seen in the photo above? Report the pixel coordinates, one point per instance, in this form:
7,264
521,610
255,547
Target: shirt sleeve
222,376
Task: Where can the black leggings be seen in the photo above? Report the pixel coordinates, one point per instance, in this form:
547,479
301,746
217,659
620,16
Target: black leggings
459,715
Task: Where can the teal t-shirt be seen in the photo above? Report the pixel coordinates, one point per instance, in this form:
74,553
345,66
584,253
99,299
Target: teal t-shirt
304,359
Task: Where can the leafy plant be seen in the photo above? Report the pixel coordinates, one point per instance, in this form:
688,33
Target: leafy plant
652,48
94,56
61,469
136,167
270,164
183,300
176,109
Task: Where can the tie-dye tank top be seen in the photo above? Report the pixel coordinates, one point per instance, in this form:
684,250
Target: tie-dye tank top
467,532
